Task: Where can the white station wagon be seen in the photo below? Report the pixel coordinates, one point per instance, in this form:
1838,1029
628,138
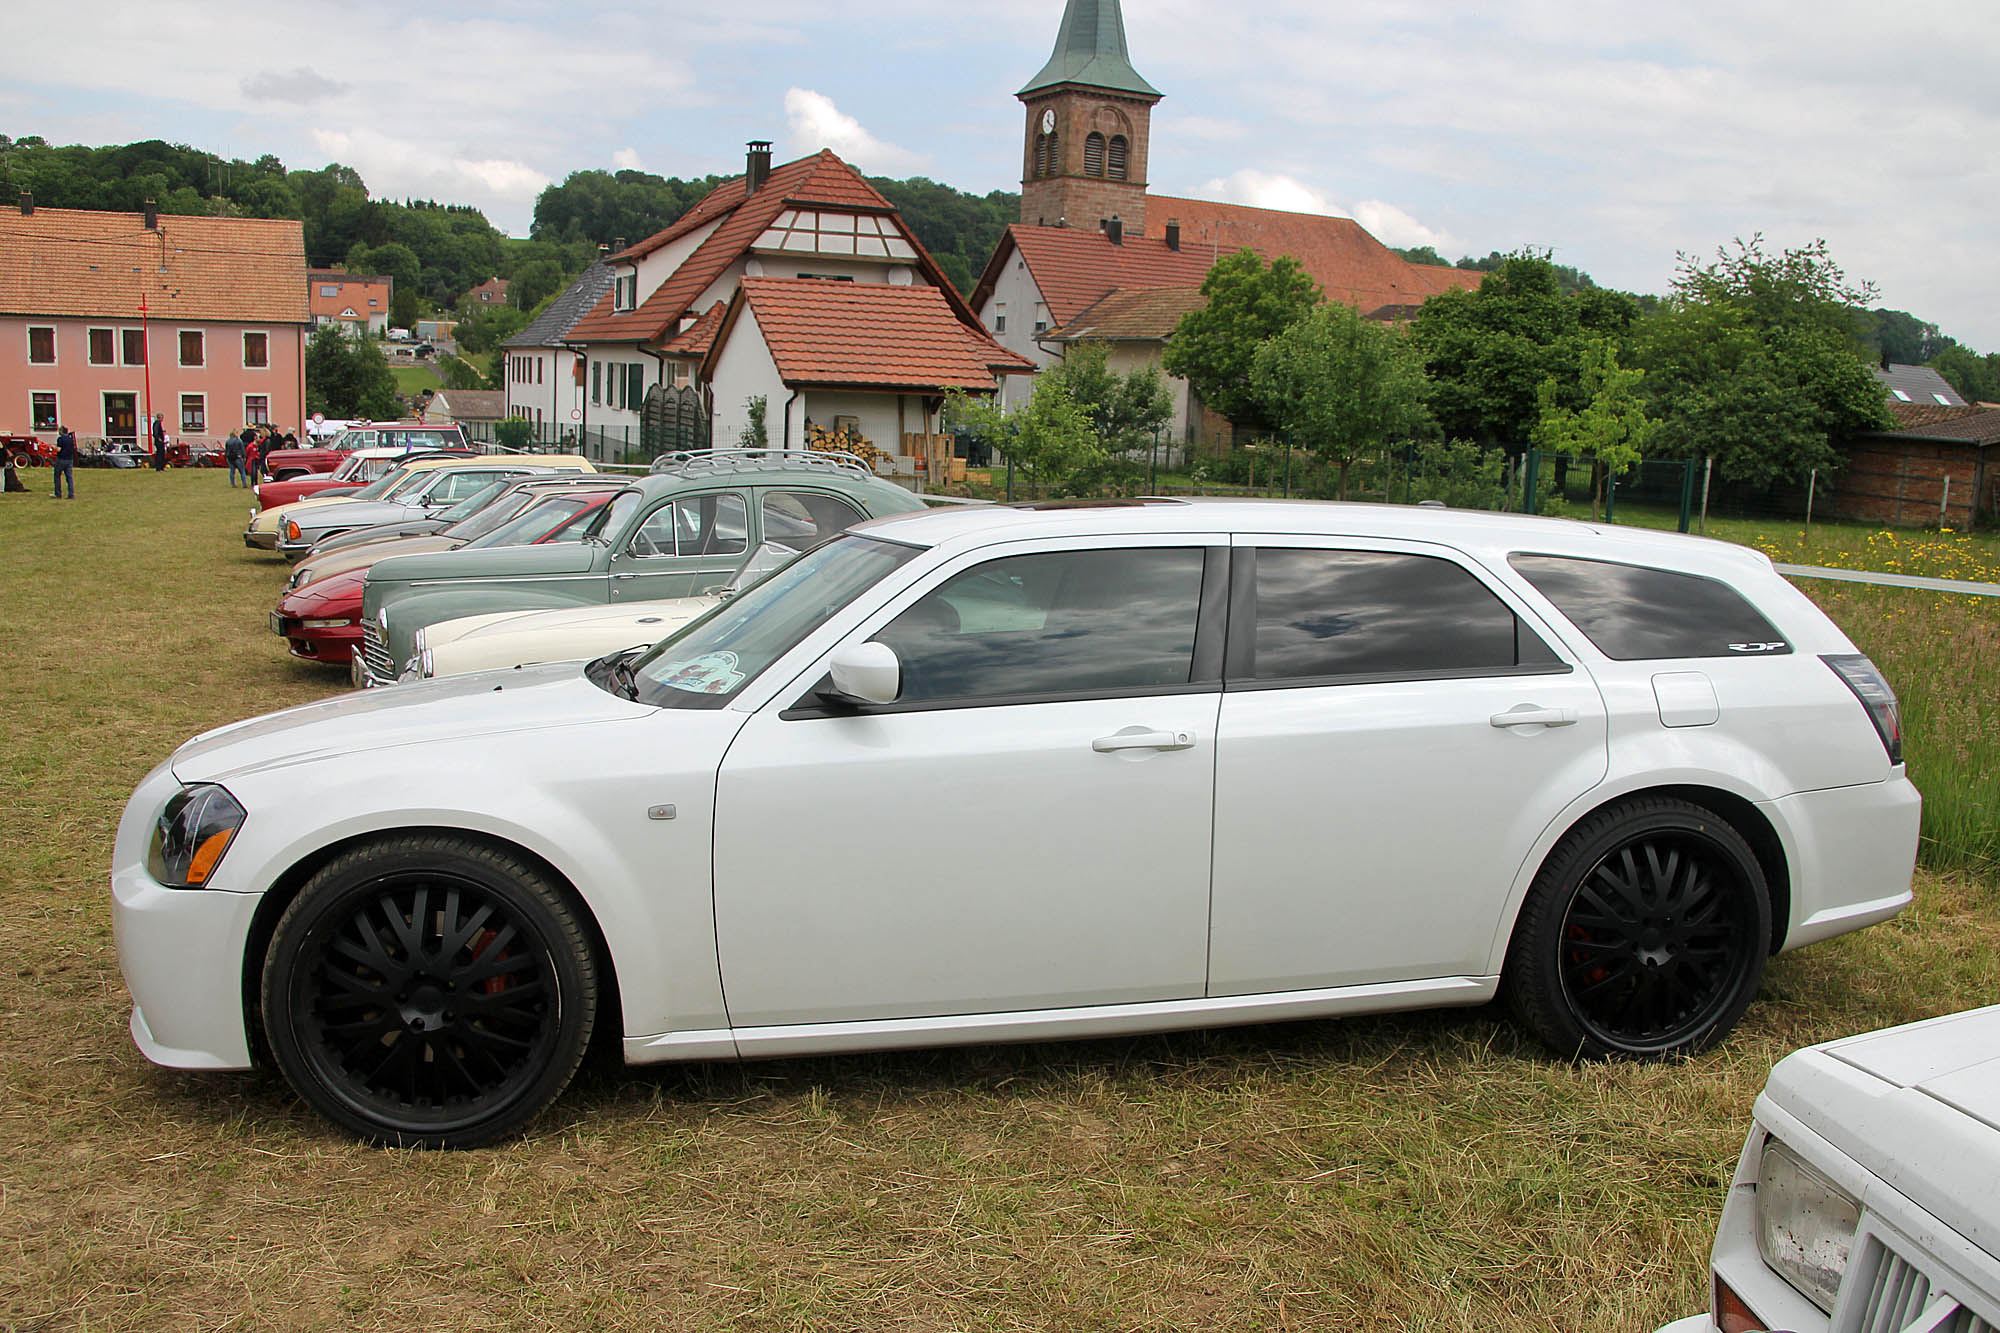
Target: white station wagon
1003,774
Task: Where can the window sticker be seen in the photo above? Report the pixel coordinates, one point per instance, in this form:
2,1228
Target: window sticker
711,673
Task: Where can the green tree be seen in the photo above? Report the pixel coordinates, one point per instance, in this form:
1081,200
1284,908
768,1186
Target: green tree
755,435
1976,377
489,327
347,377
1612,428
1341,386
1213,348
1758,362
1488,351
1049,439
462,374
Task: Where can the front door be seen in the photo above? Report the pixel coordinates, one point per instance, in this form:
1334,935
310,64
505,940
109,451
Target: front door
683,547
121,416
1026,828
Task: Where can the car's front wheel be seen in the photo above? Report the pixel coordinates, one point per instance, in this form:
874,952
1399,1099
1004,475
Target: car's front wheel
1644,935
429,991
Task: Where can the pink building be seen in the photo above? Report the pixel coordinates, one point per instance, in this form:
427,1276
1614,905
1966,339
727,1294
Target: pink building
107,318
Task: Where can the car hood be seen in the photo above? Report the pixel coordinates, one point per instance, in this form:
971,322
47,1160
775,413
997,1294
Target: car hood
269,519
511,638
355,513
488,562
415,714
645,620
319,567
1918,1105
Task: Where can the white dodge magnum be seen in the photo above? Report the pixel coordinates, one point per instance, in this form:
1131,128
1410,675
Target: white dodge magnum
1021,773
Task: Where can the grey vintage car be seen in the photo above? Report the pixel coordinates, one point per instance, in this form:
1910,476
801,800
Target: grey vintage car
679,531
426,493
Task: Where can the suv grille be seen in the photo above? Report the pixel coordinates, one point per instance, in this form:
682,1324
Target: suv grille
1895,1293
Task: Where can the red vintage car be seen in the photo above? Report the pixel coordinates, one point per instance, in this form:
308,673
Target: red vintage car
184,452
321,620
27,450
357,469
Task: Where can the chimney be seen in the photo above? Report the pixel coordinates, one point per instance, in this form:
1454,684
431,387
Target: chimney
757,169
617,245
152,216
1114,230
1174,234
27,204
1885,358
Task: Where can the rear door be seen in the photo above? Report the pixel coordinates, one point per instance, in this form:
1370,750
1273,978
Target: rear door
1395,733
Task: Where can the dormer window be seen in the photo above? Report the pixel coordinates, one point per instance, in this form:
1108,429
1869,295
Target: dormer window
625,293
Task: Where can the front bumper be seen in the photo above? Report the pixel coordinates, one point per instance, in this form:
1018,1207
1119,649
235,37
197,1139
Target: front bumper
332,644
181,953
260,541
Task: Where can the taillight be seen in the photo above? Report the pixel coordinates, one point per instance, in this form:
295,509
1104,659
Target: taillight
1875,696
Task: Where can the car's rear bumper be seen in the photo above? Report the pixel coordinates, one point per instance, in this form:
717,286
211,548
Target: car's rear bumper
1851,852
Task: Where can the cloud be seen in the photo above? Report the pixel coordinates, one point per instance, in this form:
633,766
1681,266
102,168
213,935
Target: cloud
1261,190
816,123
1394,227
421,169
301,85
627,159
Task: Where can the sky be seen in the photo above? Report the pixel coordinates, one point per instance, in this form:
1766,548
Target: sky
1615,134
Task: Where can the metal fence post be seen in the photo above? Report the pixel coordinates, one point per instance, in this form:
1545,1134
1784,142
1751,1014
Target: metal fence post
1687,494
1812,485
1610,496
1707,470
1944,502
1531,463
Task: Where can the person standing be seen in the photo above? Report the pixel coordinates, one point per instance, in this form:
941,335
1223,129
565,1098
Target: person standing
159,444
252,458
65,461
232,453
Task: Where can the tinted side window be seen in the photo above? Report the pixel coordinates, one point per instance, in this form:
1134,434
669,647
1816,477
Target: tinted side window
711,525
1632,613
1379,613
1068,622
802,519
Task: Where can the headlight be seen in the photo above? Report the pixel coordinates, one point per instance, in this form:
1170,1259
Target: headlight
292,529
1805,1224
191,835
327,624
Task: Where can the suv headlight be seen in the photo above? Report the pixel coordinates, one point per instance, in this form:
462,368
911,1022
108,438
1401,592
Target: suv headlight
191,834
1805,1224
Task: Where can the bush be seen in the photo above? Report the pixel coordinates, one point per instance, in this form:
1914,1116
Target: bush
516,433
1457,472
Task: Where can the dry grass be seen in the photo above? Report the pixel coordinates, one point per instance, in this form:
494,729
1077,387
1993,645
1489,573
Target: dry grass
1426,1172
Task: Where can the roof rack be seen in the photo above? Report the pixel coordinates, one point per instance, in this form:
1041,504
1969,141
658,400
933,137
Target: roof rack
693,462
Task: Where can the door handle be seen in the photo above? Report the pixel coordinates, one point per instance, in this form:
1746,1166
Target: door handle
1144,740
1527,715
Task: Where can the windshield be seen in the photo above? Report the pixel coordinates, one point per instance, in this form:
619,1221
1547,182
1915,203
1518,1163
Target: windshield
536,523
350,467
382,485
492,516
353,439
614,516
705,664
474,502
408,482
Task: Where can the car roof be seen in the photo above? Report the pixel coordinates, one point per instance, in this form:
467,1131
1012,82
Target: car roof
768,472
1490,536
564,462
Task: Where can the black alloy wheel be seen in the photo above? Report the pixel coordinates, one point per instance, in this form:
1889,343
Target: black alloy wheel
429,992
1644,935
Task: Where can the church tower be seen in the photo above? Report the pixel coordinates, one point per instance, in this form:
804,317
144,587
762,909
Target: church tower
1089,122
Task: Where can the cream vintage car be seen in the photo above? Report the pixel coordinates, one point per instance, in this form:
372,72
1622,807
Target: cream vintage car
506,639
267,526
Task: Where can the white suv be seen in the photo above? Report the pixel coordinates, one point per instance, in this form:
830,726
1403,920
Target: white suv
1865,1198
1006,774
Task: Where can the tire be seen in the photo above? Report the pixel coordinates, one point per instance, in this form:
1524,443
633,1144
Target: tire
24,460
429,992
1643,936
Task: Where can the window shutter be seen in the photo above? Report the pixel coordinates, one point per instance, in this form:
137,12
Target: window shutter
1093,155
1119,149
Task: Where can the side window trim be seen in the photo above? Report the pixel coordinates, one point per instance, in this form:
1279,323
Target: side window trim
1243,620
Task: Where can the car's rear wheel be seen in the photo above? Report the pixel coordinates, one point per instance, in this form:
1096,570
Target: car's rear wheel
429,991
1644,935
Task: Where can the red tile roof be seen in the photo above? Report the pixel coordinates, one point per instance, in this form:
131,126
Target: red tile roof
822,179
868,335
77,262
1146,315
1075,267
698,337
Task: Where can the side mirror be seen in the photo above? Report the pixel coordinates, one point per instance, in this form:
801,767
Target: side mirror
865,673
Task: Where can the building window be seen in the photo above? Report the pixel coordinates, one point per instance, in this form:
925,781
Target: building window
256,350
1120,151
132,346
626,293
1048,155
596,382
191,348
194,414
328,289
373,303
42,411
101,348
538,370
635,385
1093,155
257,409
1000,317
41,346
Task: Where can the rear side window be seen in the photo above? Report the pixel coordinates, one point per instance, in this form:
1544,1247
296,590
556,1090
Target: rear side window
1633,613
803,519
1325,614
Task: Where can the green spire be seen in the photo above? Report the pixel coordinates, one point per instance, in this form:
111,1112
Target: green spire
1090,49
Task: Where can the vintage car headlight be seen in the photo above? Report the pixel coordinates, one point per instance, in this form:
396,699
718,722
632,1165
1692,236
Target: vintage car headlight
291,529
1805,1224
192,833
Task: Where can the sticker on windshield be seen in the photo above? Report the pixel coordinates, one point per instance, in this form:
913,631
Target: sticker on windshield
711,673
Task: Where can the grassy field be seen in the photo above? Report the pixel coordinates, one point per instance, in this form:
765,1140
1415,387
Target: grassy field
413,380
1434,1171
